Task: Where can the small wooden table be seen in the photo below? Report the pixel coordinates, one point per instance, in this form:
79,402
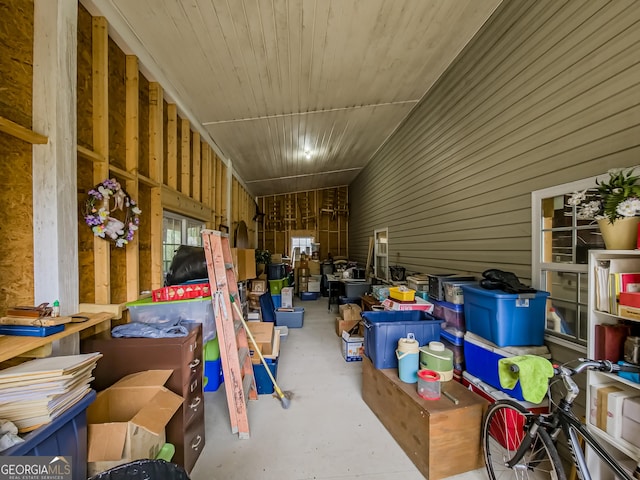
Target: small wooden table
441,438
368,301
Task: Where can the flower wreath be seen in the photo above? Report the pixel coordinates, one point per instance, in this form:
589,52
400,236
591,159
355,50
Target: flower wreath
99,208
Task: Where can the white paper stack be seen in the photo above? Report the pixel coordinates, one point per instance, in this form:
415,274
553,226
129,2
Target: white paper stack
36,392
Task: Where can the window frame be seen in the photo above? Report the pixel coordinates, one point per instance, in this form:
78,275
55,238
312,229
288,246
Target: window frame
538,265
185,223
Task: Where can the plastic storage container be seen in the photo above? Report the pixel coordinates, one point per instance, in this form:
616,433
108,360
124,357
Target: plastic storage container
267,307
169,313
277,301
309,295
275,271
276,286
264,384
481,360
65,436
456,345
402,295
419,283
453,292
293,319
436,283
506,319
356,289
213,373
384,329
451,313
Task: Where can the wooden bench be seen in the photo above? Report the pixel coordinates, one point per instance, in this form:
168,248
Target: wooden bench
441,438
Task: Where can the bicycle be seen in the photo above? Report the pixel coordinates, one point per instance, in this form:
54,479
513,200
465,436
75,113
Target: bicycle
522,445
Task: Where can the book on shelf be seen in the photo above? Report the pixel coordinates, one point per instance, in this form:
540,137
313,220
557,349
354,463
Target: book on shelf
613,277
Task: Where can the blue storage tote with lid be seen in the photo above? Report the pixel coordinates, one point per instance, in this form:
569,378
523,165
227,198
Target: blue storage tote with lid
65,435
506,319
383,329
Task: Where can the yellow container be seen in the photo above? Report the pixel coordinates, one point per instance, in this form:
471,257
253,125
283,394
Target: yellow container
402,295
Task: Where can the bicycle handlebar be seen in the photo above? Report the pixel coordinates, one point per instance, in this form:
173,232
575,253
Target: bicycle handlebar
588,364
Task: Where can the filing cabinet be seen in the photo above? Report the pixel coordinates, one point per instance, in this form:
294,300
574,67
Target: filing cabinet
183,355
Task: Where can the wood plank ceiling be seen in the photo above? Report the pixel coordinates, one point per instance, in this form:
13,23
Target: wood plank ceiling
270,80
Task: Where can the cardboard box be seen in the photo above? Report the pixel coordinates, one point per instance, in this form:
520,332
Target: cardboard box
254,300
418,304
352,347
181,292
350,311
244,261
263,334
346,326
127,421
287,297
603,405
614,411
275,350
276,258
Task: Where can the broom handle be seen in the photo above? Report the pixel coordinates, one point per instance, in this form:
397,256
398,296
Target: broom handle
255,344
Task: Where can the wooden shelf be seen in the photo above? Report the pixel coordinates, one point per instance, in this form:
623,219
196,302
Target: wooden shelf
15,346
18,131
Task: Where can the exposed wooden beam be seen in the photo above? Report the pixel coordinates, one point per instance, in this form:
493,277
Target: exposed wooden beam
180,203
172,146
132,149
100,62
18,131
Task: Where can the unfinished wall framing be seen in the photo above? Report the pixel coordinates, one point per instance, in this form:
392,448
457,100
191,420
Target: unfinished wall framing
324,212
126,130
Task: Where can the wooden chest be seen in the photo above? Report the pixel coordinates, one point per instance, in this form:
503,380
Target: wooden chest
441,438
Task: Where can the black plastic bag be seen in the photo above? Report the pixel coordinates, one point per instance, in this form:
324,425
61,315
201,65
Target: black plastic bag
495,279
144,470
189,263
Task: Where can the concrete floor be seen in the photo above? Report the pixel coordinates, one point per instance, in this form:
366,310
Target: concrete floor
328,432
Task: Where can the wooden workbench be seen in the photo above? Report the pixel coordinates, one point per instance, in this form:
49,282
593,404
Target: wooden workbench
12,346
441,438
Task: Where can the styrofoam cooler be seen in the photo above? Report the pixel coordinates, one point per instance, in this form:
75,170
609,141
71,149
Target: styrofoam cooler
506,319
481,360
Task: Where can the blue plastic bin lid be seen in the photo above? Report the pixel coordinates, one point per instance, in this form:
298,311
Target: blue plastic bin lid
392,316
500,293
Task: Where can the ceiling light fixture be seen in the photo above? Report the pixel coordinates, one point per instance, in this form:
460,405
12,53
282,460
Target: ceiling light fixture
307,154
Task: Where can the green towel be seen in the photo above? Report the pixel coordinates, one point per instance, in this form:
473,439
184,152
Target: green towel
533,374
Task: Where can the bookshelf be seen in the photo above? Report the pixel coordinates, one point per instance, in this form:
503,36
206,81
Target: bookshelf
595,380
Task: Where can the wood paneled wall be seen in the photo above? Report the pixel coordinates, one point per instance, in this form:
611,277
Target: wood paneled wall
126,131
546,93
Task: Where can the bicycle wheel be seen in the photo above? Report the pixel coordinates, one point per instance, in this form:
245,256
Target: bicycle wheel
503,430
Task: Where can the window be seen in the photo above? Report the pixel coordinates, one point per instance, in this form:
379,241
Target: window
178,230
300,245
381,254
560,251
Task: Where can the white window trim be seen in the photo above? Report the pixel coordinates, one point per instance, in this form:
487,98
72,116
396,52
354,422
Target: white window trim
536,243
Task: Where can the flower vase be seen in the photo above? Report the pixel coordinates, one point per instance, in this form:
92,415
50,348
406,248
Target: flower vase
620,235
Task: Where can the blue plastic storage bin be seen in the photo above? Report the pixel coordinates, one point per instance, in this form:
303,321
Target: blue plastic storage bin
383,329
65,436
263,382
481,360
506,319
290,319
277,300
451,313
213,372
309,295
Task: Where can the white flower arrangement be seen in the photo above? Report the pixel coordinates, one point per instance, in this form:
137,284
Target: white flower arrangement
619,197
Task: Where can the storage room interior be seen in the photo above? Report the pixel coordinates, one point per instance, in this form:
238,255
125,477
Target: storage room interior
331,151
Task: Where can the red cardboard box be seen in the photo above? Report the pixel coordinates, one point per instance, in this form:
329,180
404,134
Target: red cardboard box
181,292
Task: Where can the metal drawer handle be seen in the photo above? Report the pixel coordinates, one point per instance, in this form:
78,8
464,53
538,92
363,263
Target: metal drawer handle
195,363
196,444
195,404
194,385
193,346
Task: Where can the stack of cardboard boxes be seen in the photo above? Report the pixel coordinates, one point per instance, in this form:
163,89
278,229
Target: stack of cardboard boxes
350,329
